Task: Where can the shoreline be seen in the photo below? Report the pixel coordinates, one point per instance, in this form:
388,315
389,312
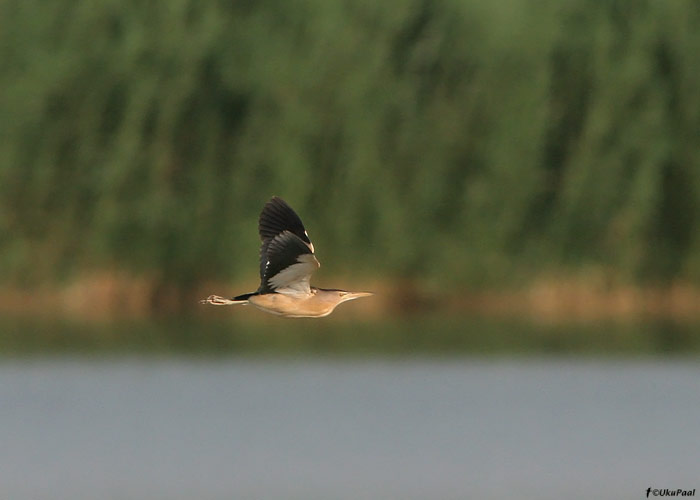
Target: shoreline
108,296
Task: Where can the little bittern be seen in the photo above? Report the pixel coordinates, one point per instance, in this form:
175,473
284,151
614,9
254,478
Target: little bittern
287,261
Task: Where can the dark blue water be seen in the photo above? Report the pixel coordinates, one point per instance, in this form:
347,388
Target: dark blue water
346,429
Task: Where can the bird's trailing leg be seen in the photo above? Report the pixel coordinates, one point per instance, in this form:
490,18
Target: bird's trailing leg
215,300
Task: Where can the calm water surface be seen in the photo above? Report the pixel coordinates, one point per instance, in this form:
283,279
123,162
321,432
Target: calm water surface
310,428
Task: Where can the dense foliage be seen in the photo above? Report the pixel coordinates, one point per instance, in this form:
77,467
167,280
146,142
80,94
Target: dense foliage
457,141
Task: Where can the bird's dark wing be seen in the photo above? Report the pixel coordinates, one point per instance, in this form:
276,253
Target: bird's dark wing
263,261
286,264
276,217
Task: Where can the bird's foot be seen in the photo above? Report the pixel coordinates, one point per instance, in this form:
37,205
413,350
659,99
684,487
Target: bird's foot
215,300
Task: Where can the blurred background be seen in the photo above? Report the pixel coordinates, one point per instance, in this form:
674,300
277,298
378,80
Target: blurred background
519,183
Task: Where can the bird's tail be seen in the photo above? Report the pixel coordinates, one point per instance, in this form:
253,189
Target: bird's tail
215,300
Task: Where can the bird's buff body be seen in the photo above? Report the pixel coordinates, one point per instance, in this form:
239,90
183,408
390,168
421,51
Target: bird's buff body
287,261
314,305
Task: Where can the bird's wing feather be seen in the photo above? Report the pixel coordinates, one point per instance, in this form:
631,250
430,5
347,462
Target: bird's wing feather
276,217
263,261
286,265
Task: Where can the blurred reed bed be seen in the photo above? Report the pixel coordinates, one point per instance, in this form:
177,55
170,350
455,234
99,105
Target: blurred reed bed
458,146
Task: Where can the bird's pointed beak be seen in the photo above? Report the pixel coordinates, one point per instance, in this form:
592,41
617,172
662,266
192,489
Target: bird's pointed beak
357,295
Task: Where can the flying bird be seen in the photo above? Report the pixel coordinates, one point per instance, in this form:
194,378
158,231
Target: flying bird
287,262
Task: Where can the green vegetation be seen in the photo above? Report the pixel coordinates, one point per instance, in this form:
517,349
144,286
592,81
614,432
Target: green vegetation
461,142
432,335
